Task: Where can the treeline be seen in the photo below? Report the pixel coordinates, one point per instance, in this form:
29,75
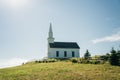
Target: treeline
113,58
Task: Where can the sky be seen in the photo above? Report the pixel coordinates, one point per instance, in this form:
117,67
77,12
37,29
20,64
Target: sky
24,26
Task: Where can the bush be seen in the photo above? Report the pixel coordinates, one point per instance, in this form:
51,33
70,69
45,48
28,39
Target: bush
74,60
46,61
95,62
91,61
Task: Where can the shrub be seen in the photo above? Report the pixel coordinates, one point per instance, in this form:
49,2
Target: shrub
46,61
74,60
95,62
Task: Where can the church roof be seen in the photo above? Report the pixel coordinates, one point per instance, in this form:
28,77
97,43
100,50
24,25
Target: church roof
64,45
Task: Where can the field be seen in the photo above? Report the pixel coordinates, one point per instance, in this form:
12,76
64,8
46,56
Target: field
61,71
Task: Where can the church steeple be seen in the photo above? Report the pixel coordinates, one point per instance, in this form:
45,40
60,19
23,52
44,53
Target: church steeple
50,31
50,38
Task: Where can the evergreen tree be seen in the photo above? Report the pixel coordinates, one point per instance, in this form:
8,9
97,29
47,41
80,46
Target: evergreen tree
114,57
87,55
118,54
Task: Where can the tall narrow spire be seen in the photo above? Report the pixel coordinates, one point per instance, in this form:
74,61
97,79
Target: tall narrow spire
50,38
50,31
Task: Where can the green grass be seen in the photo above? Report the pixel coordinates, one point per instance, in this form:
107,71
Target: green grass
61,71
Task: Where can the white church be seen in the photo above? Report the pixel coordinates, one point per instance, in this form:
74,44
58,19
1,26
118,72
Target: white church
61,49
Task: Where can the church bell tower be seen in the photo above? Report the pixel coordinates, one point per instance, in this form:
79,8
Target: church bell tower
50,38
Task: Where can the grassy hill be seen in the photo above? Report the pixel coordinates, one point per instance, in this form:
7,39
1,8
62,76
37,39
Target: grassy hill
61,71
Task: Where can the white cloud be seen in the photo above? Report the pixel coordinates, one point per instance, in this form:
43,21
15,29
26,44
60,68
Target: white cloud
112,38
12,62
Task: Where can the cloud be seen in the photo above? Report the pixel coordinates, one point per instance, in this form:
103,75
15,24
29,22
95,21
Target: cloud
12,62
112,38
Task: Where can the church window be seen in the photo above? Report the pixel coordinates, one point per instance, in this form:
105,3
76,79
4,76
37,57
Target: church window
65,54
57,53
73,54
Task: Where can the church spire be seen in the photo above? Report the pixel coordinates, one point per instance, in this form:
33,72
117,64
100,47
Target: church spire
50,38
50,31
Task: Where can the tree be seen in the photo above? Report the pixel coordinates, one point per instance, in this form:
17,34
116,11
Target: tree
87,55
114,59
105,57
108,56
118,54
